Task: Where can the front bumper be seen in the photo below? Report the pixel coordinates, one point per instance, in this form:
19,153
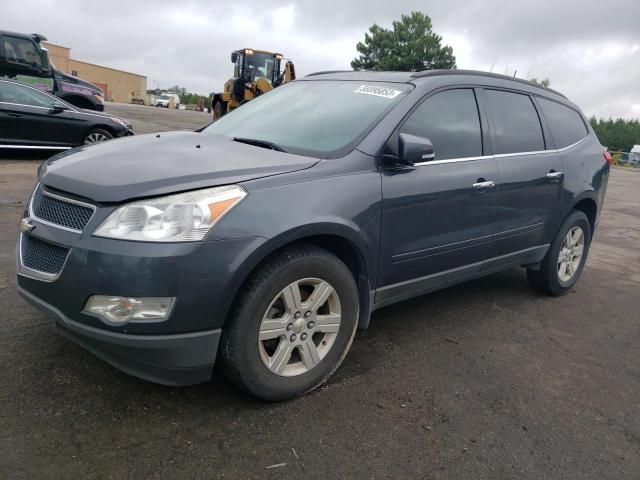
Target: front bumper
125,133
202,276
182,359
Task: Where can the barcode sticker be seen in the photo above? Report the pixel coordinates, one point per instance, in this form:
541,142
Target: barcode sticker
378,91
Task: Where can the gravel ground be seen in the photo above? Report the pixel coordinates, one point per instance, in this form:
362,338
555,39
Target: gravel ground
487,379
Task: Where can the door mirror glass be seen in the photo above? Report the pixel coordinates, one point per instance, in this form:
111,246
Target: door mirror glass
234,57
413,149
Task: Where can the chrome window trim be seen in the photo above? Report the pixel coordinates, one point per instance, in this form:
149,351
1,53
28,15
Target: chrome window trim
37,274
62,199
35,147
452,160
572,145
500,155
25,105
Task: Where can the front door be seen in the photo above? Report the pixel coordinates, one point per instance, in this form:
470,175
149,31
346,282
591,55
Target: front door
437,216
29,118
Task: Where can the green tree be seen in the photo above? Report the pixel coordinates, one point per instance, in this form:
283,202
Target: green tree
411,46
618,134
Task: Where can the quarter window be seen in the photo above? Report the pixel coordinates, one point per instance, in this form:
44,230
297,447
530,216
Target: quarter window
516,122
22,51
450,120
567,126
18,94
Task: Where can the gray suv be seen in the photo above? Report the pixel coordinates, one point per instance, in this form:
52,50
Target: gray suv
266,239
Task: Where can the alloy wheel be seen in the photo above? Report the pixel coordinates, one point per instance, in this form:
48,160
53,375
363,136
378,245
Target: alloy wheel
299,327
570,254
95,138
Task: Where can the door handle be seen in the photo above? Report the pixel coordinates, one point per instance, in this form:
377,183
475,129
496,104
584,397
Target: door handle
484,184
553,175
14,115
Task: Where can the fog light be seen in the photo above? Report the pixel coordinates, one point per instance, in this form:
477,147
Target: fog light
121,310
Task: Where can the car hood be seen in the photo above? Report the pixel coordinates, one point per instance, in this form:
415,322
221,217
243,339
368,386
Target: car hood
157,164
105,115
79,82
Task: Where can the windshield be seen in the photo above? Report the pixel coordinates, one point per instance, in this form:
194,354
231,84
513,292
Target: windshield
260,65
318,118
165,97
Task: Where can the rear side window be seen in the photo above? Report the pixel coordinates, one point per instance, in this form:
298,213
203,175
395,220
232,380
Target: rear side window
450,120
565,123
516,122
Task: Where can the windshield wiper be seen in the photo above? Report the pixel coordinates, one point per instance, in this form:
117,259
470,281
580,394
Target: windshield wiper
259,143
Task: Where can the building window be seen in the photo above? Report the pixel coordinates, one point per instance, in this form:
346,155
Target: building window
74,73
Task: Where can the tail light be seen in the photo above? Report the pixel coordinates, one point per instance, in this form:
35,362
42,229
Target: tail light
607,157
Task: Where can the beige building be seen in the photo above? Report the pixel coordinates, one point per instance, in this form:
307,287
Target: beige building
117,85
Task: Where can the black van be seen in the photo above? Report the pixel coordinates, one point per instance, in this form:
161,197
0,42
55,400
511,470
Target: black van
265,239
23,59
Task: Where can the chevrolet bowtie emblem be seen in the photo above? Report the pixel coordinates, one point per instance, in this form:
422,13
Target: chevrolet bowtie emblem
26,225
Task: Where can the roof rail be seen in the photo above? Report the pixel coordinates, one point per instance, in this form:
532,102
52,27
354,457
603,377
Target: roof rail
437,73
325,72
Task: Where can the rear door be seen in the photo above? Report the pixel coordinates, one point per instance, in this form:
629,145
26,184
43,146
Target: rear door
529,176
437,216
29,119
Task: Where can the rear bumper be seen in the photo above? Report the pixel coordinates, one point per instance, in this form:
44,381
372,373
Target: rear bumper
179,359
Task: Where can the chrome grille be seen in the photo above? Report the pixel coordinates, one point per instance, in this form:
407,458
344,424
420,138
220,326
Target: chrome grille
42,256
61,211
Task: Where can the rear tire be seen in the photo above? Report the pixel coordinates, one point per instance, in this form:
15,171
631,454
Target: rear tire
563,264
279,344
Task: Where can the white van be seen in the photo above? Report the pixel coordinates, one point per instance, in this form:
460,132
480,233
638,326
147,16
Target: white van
165,100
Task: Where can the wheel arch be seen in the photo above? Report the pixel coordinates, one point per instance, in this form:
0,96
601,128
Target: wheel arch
333,238
588,205
98,126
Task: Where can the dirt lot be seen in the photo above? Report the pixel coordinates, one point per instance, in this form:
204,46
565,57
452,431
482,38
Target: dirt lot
483,380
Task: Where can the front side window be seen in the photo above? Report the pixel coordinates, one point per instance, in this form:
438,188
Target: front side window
324,118
516,122
18,94
22,51
450,120
565,123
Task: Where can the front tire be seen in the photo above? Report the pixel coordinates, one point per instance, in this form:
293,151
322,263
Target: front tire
562,265
292,325
97,135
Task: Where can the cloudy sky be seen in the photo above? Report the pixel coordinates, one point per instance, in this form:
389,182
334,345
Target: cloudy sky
589,49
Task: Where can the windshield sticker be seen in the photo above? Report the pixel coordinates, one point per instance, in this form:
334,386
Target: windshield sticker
378,91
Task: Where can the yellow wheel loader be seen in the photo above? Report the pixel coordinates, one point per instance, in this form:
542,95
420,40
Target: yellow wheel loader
255,72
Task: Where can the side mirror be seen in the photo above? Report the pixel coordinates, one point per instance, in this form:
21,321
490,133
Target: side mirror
413,149
234,57
59,107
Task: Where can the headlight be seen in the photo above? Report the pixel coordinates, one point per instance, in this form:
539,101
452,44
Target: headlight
186,217
98,98
119,121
